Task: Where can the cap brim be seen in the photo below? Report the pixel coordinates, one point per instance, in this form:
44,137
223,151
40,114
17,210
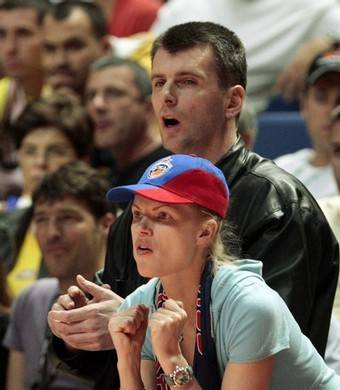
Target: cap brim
159,194
314,76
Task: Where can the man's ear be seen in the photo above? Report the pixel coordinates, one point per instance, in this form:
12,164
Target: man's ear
148,105
107,47
207,232
236,96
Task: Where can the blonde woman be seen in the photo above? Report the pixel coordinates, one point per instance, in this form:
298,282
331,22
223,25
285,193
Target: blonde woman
204,320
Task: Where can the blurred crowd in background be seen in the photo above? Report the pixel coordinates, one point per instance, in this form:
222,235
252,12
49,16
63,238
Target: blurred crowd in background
75,89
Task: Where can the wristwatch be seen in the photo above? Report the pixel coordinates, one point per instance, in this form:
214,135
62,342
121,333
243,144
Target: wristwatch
180,376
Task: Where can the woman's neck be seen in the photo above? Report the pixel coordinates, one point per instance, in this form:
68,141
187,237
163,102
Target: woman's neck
183,287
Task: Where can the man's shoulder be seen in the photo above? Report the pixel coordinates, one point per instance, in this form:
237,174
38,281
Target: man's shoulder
8,217
42,292
261,189
4,83
133,173
153,156
14,223
258,175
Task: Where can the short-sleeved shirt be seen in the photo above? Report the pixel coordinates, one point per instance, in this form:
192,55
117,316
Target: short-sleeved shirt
27,331
250,323
320,181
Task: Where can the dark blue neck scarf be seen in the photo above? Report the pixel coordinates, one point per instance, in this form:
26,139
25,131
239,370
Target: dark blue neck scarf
205,360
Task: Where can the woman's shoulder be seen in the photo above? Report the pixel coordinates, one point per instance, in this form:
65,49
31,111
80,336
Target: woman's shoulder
240,296
237,272
241,282
142,295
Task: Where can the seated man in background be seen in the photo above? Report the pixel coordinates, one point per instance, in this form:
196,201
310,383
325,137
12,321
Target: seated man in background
331,207
20,57
247,126
71,219
117,97
48,134
319,98
74,35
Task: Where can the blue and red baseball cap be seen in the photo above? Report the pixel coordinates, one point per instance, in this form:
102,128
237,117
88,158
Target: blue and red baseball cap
179,179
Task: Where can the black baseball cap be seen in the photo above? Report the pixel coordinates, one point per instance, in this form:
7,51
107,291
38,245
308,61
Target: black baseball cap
325,62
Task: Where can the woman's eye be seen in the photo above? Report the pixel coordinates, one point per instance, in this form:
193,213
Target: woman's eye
163,216
136,215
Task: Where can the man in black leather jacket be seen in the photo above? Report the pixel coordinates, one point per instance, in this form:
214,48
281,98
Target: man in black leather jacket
198,88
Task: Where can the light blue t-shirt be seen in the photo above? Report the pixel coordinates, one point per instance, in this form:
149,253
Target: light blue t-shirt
251,322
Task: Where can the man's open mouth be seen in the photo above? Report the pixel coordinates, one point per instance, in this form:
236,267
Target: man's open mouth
170,122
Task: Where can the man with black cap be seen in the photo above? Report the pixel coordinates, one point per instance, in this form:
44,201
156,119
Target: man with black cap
320,96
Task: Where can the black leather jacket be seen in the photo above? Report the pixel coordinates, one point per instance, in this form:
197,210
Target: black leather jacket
279,223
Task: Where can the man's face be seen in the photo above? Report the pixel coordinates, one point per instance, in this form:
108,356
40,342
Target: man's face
317,104
335,150
70,238
69,47
43,150
114,104
20,42
188,101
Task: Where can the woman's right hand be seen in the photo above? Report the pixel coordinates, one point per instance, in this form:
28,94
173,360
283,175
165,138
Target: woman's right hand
128,329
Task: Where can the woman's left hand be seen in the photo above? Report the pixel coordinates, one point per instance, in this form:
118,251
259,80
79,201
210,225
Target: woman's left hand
127,329
166,325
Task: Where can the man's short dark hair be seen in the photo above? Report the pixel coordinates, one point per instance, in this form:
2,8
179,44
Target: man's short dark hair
40,6
140,74
79,181
229,52
61,112
63,9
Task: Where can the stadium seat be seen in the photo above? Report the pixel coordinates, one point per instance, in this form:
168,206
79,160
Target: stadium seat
280,133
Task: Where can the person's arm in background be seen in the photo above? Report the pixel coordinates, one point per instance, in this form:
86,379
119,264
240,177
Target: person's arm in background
326,33
291,80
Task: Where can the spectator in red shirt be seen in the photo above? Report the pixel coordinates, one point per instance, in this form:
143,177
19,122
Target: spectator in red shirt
127,17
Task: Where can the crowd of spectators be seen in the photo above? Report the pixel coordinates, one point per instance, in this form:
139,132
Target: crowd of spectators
78,101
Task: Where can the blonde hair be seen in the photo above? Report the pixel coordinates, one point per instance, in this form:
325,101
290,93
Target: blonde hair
224,248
